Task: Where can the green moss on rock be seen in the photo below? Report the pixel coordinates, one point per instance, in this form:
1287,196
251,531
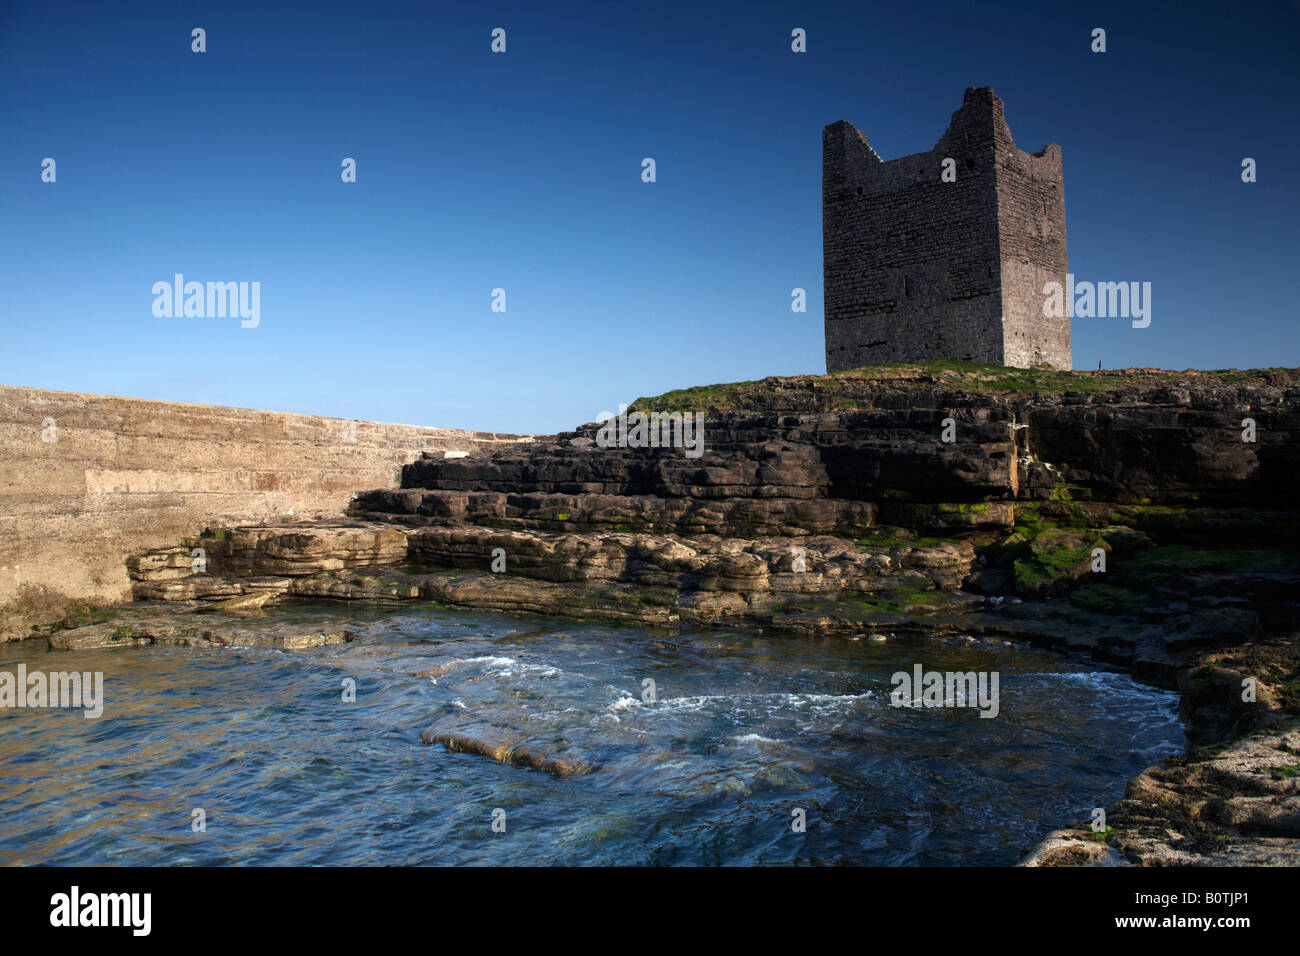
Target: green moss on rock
1107,599
1054,561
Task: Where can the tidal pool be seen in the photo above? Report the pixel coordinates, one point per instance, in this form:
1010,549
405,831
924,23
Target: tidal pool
740,734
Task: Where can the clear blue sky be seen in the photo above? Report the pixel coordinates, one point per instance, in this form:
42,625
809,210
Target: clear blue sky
522,171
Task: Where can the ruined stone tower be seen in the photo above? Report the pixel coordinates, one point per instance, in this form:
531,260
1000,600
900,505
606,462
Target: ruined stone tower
917,268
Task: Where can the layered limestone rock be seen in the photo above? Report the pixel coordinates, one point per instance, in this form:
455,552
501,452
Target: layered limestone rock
1145,518
830,501
1133,436
653,579
855,456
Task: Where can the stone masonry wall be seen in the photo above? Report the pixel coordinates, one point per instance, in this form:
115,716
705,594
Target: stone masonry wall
86,480
1031,231
918,269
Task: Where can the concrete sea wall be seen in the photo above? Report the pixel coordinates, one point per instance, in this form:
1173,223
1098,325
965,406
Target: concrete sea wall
86,480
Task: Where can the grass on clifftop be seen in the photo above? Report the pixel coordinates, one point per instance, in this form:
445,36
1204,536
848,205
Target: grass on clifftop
845,391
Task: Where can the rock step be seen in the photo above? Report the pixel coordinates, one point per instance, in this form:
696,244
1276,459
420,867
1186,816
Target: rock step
301,549
141,625
1156,446
264,558
738,517
729,517
859,456
801,565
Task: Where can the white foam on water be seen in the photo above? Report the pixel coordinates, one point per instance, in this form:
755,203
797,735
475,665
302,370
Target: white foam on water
486,660
1108,681
754,739
1118,689
771,702
509,667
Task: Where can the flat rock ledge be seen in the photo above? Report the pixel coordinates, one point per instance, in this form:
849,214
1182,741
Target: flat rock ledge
139,626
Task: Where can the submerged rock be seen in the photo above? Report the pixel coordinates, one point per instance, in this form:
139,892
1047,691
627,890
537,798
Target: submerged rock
508,747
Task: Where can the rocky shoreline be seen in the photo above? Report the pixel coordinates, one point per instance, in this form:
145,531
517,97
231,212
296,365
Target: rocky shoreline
1118,515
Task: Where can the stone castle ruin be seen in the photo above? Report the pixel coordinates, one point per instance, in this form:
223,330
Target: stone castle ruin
943,255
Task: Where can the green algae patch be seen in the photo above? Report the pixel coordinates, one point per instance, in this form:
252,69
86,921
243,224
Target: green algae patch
1107,599
1036,516
897,601
1053,561
893,544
